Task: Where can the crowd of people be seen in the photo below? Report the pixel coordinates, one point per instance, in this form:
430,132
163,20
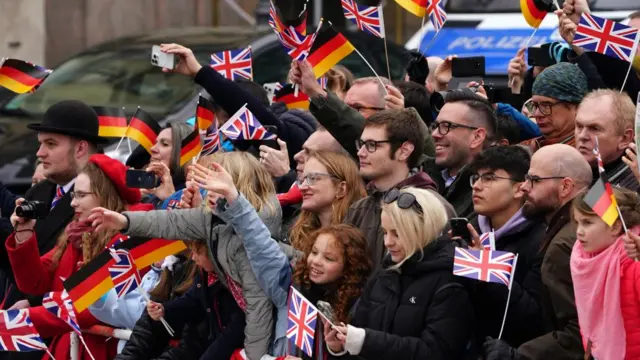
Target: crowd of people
353,210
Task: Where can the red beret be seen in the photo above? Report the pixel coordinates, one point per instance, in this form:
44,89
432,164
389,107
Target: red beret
116,172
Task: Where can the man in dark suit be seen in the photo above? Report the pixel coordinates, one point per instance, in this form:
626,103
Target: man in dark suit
68,136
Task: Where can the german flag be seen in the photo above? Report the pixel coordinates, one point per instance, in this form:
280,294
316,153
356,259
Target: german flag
113,121
329,48
204,113
287,96
416,7
144,129
533,11
190,147
20,76
92,281
601,199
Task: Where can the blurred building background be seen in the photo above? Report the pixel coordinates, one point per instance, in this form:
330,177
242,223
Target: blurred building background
48,31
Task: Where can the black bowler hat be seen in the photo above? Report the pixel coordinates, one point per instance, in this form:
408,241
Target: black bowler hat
72,118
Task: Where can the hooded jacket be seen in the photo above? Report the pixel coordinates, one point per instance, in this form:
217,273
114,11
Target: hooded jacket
365,213
421,311
229,257
523,237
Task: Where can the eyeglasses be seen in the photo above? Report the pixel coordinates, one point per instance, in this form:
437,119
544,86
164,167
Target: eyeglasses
533,179
359,108
487,179
79,194
545,107
405,200
311,178
371,145
445,126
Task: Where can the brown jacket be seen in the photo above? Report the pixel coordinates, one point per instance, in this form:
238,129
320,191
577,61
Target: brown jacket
365,214
563,341
536,143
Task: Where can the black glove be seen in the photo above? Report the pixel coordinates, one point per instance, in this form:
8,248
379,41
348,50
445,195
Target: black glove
495,349
418,68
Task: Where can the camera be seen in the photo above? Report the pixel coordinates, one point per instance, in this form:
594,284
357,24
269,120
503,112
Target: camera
154,59
33,210
140,179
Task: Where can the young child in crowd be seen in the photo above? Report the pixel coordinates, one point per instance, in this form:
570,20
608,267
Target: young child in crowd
606,281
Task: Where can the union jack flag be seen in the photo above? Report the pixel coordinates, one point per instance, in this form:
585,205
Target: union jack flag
244,126
17,333
298,45
484,265
366,18
124,273
437,14
606,37
488,240
59,304
278,26
302,322
211,140
323,82
233,64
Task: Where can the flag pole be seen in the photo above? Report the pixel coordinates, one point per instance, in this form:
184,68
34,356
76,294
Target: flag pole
125,134
635,48
85,346
384,37
162,320
430,43
506,308
526,45
49,353
371,67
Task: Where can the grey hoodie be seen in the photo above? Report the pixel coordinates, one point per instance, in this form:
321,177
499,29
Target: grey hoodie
196,224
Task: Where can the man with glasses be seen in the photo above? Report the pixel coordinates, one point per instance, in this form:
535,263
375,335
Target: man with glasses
464,127
390,152
557,91
609,116
558,173
497,175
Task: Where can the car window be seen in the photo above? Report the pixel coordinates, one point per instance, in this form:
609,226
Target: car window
113,79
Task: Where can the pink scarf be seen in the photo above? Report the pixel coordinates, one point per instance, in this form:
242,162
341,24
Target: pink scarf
596,285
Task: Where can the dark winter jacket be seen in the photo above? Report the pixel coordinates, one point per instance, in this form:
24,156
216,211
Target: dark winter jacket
224,330
525,307
619,174
460,195
611,71
294,127
365,214
419,312
149,339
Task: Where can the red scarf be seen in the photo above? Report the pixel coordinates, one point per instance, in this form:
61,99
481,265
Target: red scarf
75,230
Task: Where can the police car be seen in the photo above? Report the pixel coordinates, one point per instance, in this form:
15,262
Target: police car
496,29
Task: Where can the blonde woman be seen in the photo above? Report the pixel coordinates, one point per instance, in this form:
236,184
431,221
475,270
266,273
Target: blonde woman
232,267
413,308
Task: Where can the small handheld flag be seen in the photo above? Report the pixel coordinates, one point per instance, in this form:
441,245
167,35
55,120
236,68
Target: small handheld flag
124,273
488,240
211,141
302,322
437,13
533,12
20,76
17,333
600,197
144,129
606,37
205,115
416,7
366,18
59,304
328,49
287,96
190,146
112,121
233,64
484,265
244,126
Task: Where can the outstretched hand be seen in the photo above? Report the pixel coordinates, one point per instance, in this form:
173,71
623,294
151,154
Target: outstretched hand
107,220
216,179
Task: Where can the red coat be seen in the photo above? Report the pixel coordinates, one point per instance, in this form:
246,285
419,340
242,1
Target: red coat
34,276
630,304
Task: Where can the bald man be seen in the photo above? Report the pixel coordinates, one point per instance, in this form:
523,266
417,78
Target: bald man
558,173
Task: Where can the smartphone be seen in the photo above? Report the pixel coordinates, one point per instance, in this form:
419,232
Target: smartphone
459,229
163,60
468,66
539,57
326,310
140,179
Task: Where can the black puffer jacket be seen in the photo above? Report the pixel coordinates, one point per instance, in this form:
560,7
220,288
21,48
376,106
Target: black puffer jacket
149,339
421,312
